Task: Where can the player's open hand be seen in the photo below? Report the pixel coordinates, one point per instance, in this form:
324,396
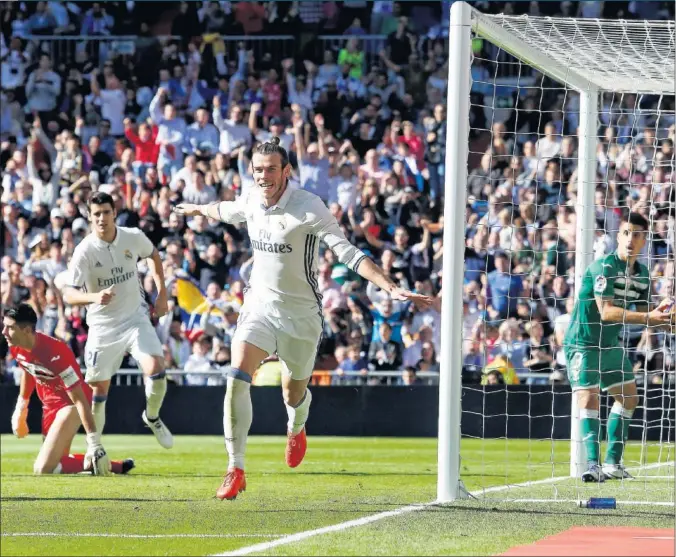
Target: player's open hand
105,296
667,305
420,301
659,317
96,459
20,419
187,209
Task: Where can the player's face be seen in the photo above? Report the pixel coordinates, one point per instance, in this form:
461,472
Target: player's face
630,240
270,176
103,219
15,334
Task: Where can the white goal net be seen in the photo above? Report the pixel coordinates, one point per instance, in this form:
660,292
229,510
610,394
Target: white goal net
571,128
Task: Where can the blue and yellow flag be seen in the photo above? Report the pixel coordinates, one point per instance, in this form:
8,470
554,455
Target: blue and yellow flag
192,302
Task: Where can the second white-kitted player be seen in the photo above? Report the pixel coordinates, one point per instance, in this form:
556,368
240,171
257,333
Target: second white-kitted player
282,309
103,276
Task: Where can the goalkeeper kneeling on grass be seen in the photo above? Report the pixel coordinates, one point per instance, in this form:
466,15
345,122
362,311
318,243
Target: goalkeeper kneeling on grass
49,366
615,290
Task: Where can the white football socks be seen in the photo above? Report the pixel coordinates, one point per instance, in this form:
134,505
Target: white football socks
99,411
237,418
298,415
156,388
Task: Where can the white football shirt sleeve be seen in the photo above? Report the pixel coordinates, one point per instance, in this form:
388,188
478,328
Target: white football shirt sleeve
233,212
325,226
146,247
78,269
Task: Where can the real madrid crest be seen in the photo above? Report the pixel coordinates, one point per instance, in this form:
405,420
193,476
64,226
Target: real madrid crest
128,254
281,223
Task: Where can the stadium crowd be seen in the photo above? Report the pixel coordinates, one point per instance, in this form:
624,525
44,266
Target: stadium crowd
175,119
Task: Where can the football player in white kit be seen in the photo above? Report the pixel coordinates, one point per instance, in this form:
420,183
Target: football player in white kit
282,308
103,276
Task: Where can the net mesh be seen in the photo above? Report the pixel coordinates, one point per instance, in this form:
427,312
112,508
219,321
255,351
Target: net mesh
521,247
616,55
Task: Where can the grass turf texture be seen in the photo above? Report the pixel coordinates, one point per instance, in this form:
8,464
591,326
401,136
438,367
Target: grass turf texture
171,493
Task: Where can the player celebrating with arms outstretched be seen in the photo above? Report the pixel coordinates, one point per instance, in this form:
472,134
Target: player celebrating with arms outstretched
103,276
611,287
49,366
282,309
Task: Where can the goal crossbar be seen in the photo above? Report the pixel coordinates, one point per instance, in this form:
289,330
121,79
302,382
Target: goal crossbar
612,55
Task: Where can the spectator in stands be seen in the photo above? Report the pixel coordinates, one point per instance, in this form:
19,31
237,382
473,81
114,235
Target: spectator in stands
504,288
409,377
428,358
198,367
170,134
43,88
42,22
96,21
384,353
539,356
13,64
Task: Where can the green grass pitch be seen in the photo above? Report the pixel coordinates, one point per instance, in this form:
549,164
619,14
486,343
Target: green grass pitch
166,506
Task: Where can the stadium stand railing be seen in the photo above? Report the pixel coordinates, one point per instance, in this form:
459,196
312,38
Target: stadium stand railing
63,48
132,376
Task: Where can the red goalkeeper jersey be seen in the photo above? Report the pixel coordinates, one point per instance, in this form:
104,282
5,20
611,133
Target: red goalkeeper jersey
53,366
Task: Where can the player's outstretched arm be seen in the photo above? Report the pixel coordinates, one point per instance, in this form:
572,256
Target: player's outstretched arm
96,458
225,211
371,272
324,225
613,314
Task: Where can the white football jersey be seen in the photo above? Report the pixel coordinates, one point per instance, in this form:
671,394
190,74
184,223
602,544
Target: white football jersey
285,240
96,265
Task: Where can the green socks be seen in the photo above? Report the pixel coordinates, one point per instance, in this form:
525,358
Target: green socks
591,429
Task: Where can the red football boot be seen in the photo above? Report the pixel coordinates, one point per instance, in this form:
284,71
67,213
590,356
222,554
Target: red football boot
233,484
296,445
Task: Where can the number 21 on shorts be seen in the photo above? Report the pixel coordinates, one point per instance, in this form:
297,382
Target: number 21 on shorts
91,357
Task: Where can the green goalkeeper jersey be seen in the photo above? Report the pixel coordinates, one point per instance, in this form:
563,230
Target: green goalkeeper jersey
610,279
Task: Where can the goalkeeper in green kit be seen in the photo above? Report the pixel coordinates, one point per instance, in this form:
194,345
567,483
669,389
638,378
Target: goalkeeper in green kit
615,290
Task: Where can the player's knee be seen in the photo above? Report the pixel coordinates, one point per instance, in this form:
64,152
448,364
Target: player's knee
155,367
629,402
587,398
292,398
100,390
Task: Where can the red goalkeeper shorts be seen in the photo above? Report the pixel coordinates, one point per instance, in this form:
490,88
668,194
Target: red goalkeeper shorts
49,415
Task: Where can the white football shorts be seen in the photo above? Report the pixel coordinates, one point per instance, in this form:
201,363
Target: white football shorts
104,351
295,340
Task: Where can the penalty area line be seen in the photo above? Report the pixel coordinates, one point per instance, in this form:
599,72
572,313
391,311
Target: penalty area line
285,540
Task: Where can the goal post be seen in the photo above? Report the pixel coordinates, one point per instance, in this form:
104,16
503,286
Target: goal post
588,56
457,150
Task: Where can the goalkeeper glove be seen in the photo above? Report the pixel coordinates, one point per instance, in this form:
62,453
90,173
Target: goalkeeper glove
19,418
96,458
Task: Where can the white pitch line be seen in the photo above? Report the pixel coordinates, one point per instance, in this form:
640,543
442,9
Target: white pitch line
136,536
362,521
264,546
639,503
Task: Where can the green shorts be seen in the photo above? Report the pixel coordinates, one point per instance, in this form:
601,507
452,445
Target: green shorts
606,368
